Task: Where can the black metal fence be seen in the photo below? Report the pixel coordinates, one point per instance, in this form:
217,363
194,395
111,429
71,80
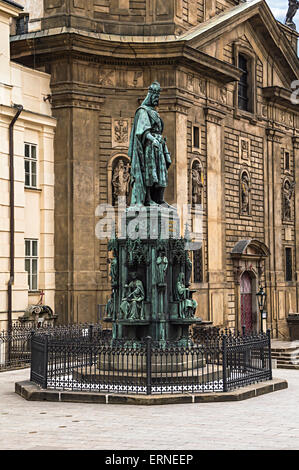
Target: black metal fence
15,343
220,363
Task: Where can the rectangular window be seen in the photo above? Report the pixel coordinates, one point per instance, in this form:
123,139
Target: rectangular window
22,24
30,162
197,266
288,264
31,263
243,84
287,160
196,137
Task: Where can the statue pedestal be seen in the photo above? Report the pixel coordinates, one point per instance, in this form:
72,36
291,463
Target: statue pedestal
151,272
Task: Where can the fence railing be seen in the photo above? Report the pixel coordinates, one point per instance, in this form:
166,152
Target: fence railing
15,343
94,364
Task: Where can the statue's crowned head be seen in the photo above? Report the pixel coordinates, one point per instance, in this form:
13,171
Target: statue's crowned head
153,95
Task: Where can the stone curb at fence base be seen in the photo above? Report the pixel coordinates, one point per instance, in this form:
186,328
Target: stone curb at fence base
31,392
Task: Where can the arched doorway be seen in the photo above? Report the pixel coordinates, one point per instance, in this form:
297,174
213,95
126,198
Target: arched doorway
246,290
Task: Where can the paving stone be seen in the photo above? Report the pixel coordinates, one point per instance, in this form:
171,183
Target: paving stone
266,422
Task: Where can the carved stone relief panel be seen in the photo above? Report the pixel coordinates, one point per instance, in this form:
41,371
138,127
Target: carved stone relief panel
223,95
135,78
107,77
244,150
121,129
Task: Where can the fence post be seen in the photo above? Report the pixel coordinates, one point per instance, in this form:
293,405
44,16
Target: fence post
148,365
224,362
270,354
32,351
45,368
90,338
90,332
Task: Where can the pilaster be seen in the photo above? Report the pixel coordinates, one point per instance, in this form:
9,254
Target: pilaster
296,169
215,212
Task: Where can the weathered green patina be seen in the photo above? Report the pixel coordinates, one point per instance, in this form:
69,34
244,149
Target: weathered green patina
150,158
150,269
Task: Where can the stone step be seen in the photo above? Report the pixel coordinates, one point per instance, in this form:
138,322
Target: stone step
288,366
286,358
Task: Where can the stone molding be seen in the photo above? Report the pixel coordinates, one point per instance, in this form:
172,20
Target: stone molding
274,135
69,99
214,116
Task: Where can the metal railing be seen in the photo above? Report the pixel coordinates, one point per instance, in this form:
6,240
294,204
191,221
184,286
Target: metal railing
15,343
219,364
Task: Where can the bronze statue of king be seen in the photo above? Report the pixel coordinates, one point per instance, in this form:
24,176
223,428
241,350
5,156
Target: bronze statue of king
150,158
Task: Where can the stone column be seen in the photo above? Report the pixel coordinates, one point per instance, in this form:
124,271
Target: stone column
273,224
296,169
215,214
174,112
78,278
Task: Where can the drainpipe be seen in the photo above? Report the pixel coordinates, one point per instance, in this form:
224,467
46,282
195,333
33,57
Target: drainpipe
12,215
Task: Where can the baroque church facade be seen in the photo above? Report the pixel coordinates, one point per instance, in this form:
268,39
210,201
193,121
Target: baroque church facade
226,68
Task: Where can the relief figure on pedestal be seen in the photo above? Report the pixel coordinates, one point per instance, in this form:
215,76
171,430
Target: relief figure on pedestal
114,271
109,309
187,306
131,307
150,157
162,264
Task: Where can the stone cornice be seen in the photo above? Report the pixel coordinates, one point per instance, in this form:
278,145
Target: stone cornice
86,48
281,96
29,116
67,99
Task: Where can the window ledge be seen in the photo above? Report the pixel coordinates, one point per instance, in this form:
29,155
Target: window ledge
35,190
240,113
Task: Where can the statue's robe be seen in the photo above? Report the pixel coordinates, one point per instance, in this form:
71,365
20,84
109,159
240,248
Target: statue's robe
149,164
132,309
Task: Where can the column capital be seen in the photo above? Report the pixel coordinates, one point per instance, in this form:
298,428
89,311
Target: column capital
295,140
274,135
214,115
175,104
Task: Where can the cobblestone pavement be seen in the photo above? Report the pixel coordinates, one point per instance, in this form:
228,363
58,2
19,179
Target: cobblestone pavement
267,422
